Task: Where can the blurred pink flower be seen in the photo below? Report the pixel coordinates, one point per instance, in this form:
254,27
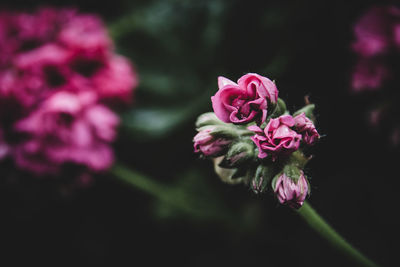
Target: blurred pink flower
66,128
208,145
245,101
4,148
116,80
306,127
60,49
369,74
56,67
277,139
375,31
291,193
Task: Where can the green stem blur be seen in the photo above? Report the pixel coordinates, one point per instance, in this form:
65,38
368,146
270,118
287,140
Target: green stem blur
196,206
199,209
326,231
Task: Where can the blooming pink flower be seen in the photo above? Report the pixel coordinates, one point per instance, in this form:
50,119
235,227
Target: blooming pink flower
208,145
277,139
306,127
245,101
369,75
291,193
374,31
66,128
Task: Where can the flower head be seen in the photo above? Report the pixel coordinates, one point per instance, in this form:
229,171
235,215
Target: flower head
291,192
277,139
245,101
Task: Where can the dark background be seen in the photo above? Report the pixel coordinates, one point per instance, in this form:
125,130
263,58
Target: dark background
179,48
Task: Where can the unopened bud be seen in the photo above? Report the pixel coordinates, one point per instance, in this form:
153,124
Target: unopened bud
261,179
308,111
291,190
238,154
209,145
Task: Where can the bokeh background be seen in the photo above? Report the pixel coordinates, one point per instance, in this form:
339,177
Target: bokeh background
179,48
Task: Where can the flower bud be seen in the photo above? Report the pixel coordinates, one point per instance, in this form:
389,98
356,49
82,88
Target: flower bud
238,154
289,190
306,127
208,144
307,110
230,176
261,179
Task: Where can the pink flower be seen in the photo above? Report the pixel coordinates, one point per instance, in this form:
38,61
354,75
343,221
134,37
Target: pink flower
245,101
86,33
66,128
306,127
116,80
208,145
369,75
56,67
291,193
277,139
375,31
60,49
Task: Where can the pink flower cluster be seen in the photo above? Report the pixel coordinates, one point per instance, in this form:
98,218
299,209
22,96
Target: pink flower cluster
58,75
282,135
377,37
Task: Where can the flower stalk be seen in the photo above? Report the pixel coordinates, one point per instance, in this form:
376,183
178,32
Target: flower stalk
317,223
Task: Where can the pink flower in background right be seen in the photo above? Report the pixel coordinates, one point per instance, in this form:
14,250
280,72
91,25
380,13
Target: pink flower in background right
376,69
377,39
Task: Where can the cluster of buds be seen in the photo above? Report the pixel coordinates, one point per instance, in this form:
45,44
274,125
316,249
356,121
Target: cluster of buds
253,139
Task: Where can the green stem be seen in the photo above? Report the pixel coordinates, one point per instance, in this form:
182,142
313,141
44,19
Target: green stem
196,206
157,190
326,231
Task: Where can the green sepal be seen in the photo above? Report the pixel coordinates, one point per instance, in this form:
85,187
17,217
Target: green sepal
273,182
229,176
208,118
299,159
238,154
278,109
220,131
262,177
292,171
